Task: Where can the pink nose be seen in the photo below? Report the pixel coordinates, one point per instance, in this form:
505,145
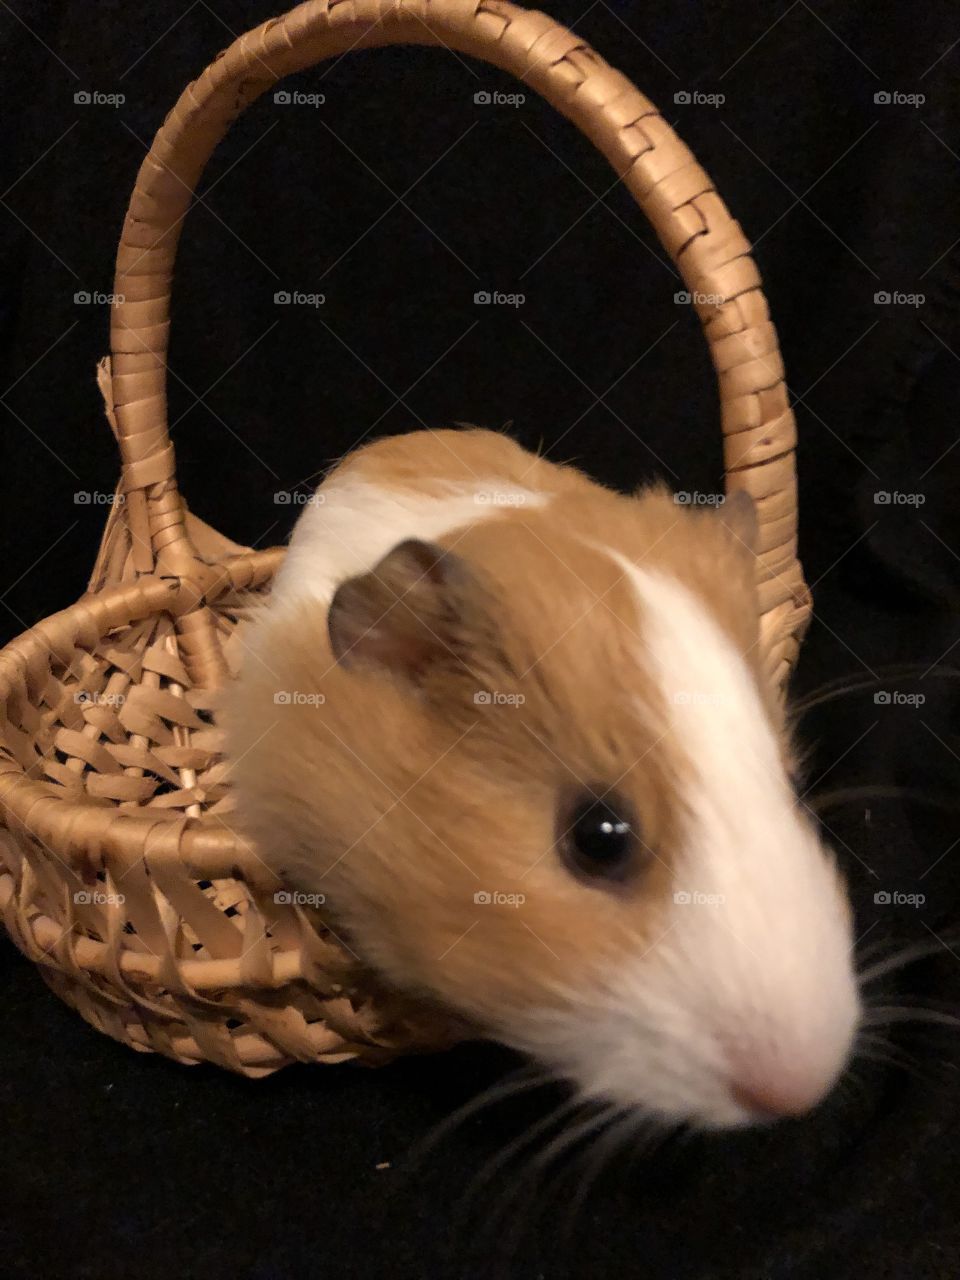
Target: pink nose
774,1097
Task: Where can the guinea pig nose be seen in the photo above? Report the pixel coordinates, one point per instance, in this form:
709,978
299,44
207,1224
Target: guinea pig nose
773,1097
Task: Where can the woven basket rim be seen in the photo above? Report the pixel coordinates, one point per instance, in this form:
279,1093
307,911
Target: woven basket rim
203,845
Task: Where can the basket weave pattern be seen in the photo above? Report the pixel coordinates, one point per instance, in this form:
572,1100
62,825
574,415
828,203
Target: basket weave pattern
120,874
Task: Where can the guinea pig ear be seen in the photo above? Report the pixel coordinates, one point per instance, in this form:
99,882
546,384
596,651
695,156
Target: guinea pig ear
405,614
739,514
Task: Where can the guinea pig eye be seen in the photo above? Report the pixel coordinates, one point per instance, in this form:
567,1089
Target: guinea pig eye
600,838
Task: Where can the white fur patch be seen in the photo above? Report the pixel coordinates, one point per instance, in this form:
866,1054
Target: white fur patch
750,980
350,524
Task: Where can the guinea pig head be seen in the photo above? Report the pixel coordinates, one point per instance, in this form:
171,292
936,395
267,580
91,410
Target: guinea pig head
547,786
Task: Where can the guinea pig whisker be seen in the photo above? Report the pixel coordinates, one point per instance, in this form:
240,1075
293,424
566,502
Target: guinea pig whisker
919,951
870,948
654,1132
878,1049
871,1039
586,1128
923,1003
891,1013
520,1081
658,1133
842,685
588,1163
534,1169
593,1159
502,1158
517,1144
845,795
881,1058
850,1078
602,1151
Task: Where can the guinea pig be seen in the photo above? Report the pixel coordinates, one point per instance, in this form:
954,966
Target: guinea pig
513,726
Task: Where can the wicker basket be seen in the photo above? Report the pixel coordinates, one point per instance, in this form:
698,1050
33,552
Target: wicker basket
119,874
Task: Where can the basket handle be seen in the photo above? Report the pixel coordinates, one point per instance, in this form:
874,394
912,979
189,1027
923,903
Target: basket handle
678,198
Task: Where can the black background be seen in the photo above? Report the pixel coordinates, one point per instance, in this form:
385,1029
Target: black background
118,1164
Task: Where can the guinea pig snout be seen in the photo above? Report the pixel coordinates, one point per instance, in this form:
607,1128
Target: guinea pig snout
773,1089
787,1071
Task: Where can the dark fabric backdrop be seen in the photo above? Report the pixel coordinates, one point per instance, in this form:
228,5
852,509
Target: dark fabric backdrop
122,1165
